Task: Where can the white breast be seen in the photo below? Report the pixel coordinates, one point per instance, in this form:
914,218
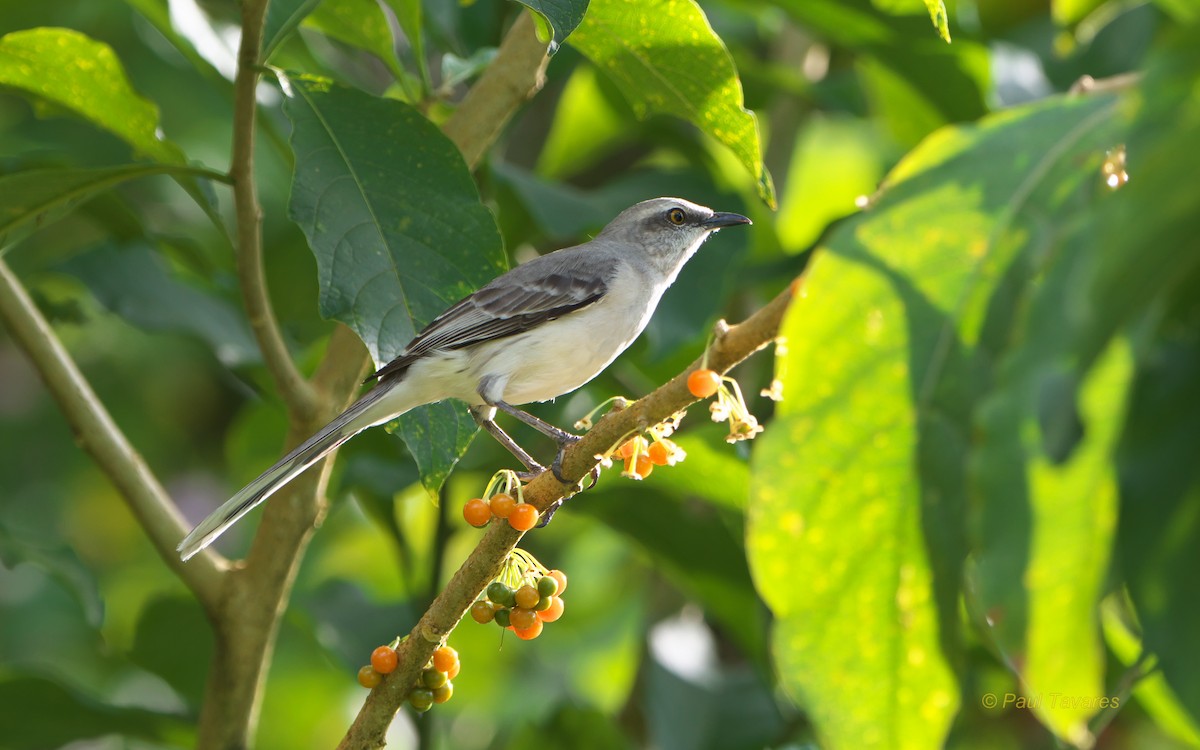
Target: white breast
562,355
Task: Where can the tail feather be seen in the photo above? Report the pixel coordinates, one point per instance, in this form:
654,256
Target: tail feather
358,417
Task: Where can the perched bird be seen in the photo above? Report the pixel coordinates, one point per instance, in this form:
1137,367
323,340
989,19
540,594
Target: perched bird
541,330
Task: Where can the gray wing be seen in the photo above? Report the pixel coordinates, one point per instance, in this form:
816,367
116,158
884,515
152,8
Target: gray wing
541,290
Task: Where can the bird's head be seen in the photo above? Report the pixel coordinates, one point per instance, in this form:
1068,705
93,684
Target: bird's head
668,229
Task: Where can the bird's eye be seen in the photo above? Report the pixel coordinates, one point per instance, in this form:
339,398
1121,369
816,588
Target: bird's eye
676,216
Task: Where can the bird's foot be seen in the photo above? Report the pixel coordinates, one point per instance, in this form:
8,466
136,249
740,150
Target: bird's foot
566,440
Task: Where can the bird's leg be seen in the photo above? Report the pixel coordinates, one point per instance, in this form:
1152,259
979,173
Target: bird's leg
483,417
560,436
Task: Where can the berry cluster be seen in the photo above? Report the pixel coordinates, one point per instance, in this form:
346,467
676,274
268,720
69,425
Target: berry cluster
434,685
502,499
730,405
523,598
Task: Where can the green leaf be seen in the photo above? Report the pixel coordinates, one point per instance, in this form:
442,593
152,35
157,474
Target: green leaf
409,15
174,641
136,284
915,83
1152,691
60,563
836,160
1159,536
1071,12
935,8
359,23
394,218
283,17
32,199
696,545
940,18
437,436
665,58
834,523
586,126
84,76
562,15
39,713
859,487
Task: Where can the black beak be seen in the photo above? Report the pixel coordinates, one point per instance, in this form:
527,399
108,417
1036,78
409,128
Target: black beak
722,219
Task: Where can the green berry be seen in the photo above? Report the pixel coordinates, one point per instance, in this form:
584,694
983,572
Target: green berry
433,679
501,593
502,616
421,699
547,586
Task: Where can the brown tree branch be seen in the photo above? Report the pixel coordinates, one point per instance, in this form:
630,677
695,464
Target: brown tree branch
731,346
258,591
295,391
100,436
515,75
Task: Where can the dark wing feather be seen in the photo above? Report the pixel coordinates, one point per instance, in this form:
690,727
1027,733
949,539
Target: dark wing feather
499,310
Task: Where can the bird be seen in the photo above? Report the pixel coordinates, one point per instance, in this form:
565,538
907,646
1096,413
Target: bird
541,330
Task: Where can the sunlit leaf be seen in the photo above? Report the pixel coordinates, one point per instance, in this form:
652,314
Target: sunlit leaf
395,220
665,58
859,486
84,76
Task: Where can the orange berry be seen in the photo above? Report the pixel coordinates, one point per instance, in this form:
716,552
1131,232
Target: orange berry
442,694
522,619
530,633
523,517
554,611
482,612
502,505
368,677
627,449
703,383
445,659
527,596
454,672
384,659
658,454
561,577
477,512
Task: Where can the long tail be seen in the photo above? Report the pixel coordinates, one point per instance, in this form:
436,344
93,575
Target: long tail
364,413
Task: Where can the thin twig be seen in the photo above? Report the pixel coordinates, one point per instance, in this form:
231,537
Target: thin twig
485,562
99,435
295,391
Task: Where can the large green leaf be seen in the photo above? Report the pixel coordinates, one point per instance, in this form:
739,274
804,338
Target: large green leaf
562,15
37,197
859,488
399,232
39,713
665,58
72,71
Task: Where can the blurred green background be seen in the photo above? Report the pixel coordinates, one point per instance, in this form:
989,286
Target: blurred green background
667,640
